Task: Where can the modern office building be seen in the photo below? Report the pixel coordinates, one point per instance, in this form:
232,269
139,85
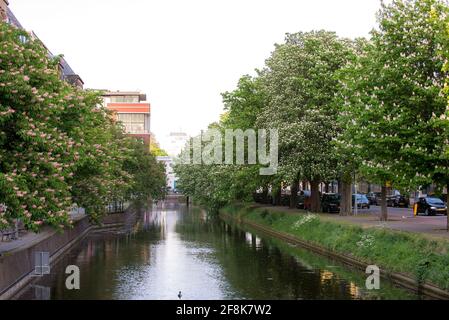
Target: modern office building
132,110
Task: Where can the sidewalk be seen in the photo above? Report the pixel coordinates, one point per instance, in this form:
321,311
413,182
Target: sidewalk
29,239
24,241
399,219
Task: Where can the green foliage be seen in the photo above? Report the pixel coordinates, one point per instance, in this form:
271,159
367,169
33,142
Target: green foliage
149,175
155,148
58,147
301,86
394,105
415,255
217,185
377,106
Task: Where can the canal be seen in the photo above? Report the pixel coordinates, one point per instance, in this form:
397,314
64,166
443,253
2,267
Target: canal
174,249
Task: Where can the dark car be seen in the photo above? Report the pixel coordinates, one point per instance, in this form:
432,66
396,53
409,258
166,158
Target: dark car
285,199
398,201
374,198
330,202
431,206
362,201
303,200
259,197
401,201
391,201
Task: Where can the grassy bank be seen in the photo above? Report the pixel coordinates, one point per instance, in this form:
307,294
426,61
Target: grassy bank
424,259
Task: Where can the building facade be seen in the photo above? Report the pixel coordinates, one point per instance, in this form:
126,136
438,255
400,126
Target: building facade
132,110
171,177
65,71
4,10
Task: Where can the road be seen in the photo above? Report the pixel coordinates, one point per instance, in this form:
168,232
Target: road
401,219
398,219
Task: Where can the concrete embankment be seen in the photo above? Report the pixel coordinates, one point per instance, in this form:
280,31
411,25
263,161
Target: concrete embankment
17,265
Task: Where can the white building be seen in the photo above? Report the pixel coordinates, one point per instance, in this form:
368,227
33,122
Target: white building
171,178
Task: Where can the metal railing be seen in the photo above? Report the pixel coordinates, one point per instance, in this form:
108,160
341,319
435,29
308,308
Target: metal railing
117,207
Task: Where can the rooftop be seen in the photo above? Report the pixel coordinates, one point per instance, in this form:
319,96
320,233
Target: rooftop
67,71
142,96
12,19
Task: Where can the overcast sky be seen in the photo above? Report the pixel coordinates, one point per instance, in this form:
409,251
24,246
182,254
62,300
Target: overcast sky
182,53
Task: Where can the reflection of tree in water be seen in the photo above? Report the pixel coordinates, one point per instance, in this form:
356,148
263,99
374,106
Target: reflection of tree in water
250,266
263,269
101,260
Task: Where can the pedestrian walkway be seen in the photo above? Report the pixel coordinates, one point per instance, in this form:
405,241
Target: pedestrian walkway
400,219
29,238
26,240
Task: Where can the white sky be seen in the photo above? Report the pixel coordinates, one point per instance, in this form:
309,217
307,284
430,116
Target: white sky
182,53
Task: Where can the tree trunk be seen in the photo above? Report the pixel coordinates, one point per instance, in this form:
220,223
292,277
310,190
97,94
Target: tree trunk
345,190
315,200
265,194
277,196
383,204
294,194
304,185
447,204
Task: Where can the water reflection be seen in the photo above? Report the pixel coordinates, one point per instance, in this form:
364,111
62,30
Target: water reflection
177,249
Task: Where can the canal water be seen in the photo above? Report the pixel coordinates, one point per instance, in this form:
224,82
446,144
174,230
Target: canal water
174,249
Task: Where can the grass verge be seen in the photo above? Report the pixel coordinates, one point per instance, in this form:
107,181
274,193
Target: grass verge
412,254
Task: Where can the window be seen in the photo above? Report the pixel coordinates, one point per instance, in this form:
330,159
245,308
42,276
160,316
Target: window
135,123
125,99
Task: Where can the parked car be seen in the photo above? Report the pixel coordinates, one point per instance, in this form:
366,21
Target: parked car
330,202
431,206
390,201
374,198
285,200
401,201
362,201
260,198
303,200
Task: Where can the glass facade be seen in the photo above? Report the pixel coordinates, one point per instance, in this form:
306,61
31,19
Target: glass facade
125,99
135,123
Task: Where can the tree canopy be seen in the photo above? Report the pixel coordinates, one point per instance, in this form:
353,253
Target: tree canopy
58,146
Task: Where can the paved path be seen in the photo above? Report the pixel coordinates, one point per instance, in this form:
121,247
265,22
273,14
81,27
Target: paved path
399,219
23,242
31,238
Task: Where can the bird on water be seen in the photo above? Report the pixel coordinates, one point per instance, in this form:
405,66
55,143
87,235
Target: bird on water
180,295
